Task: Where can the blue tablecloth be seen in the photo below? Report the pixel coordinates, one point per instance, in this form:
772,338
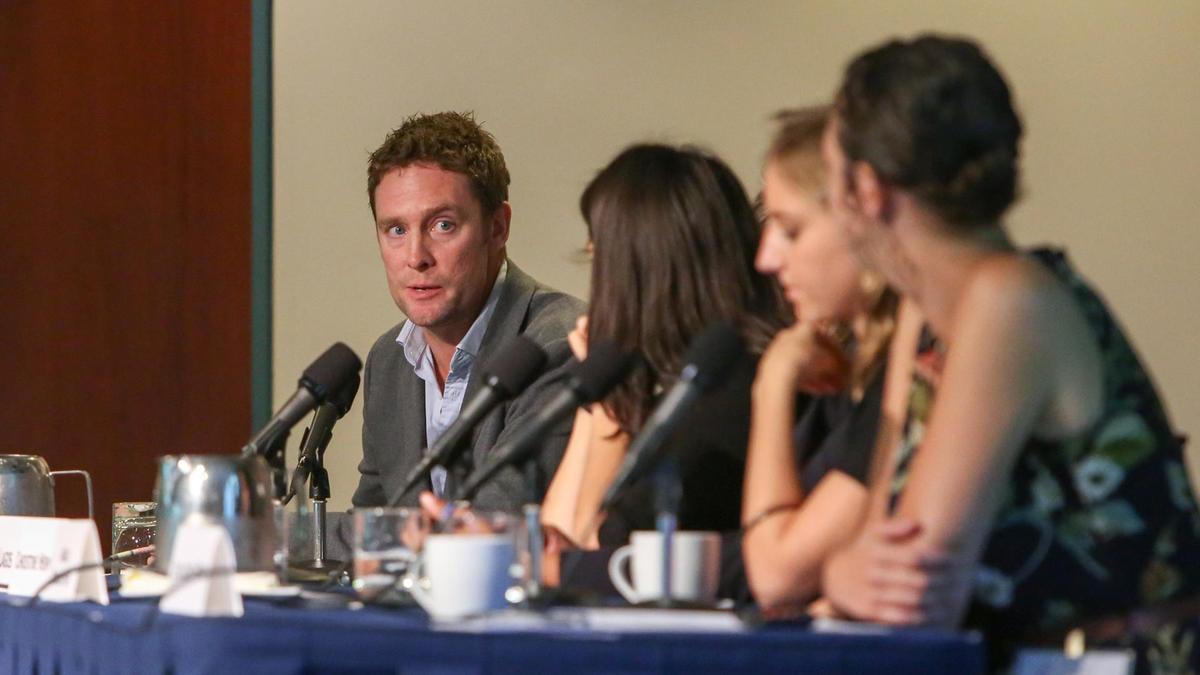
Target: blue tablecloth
271,638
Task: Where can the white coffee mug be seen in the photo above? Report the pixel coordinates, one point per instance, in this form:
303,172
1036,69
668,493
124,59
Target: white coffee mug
464,574
695,566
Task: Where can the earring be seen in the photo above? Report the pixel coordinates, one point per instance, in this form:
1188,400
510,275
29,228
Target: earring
872,285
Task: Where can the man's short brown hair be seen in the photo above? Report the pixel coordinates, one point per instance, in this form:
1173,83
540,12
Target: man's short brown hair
453,141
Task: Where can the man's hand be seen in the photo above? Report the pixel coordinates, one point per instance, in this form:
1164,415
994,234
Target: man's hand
888,576
434,507
453,519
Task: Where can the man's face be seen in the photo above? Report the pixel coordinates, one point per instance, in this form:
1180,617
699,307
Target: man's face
438,248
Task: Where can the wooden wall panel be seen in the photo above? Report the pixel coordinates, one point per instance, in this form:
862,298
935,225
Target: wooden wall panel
124,236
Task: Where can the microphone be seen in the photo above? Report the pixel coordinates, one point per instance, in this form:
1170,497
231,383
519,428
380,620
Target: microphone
505,375
318,434
707,362
329,374
586,382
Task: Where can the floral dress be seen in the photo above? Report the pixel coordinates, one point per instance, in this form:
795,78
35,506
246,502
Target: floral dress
1093,525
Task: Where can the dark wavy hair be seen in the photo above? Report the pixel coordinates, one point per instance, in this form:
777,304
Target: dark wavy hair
934,116
673,242
453,141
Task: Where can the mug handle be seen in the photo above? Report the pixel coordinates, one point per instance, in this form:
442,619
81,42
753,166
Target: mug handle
87,479
624,587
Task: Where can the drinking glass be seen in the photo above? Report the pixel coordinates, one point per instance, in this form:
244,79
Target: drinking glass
386,543
133,525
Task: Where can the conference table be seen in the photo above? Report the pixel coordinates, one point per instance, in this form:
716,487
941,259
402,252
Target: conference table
325,634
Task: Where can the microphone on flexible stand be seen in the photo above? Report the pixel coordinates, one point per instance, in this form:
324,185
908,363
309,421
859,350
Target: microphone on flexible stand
513,368
312,463
319,433
329,373
586,382
708,361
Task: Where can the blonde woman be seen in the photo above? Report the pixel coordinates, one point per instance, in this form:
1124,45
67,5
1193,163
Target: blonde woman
805,488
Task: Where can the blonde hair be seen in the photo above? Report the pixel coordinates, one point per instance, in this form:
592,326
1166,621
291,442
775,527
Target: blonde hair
796,147
796,150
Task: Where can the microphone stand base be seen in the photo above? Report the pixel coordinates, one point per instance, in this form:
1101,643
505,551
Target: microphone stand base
315,571
323,565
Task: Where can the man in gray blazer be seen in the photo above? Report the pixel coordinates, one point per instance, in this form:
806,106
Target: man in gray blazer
438,189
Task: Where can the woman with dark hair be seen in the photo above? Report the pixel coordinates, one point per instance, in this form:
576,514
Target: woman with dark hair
806,479
1033,481
672,237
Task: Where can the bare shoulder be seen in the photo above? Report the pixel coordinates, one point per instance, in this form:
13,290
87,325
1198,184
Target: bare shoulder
1018,305
1019,292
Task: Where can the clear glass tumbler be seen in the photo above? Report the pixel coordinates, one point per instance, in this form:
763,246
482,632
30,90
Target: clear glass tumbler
386,543
133,525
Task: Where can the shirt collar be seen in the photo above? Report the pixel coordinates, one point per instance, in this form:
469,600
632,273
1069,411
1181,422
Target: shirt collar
413,340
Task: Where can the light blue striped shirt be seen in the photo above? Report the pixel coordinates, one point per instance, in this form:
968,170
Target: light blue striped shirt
442,405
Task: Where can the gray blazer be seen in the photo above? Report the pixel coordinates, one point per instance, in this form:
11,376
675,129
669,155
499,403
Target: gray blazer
393,437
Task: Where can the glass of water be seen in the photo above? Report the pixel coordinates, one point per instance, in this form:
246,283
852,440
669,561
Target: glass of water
133,525
386,543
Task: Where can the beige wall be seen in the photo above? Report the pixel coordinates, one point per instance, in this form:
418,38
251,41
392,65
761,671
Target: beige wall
1109,91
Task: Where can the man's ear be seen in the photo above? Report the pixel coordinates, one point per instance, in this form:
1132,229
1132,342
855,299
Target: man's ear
501,219
873,195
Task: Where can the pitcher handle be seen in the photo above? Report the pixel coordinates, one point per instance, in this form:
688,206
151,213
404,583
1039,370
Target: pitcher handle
87,479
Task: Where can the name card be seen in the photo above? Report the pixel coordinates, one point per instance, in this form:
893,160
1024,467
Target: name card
33,550
202,572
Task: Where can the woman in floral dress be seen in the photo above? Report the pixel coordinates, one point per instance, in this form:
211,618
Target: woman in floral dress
1030,481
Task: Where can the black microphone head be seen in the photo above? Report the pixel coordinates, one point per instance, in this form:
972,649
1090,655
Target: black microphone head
603,369
332,372
343,398
515,366
713,354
